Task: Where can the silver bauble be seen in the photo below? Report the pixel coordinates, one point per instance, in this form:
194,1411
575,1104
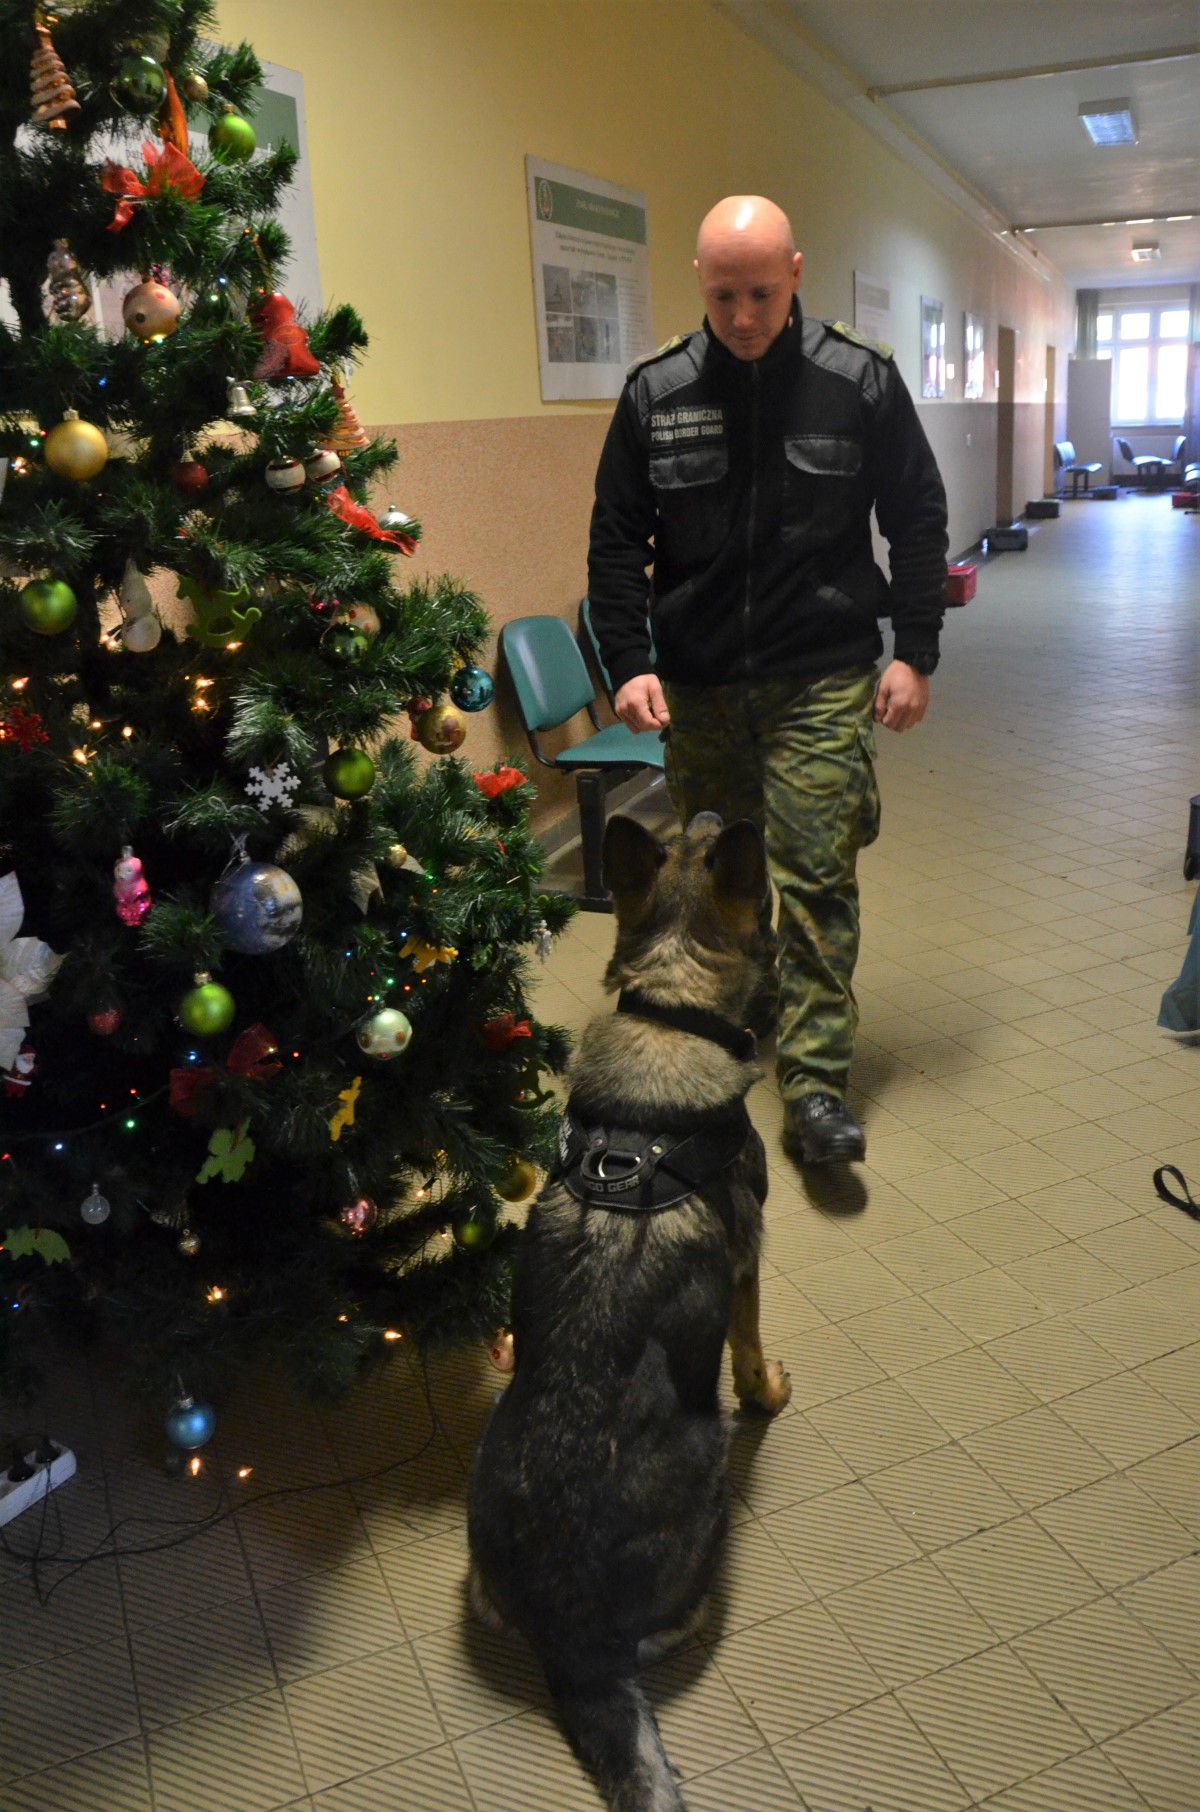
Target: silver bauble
257,907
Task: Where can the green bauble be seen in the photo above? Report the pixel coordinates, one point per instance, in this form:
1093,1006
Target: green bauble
349,773
207,1008
139,84
344,644
231,138
474,1235
47,606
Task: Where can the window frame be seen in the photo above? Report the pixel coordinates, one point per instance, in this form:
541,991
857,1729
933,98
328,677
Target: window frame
1152,342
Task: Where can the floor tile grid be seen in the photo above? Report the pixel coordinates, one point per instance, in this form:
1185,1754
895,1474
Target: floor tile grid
1080,864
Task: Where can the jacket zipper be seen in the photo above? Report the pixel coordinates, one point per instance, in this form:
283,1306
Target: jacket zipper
747,657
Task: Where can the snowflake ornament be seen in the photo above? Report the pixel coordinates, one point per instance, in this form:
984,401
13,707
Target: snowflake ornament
272,786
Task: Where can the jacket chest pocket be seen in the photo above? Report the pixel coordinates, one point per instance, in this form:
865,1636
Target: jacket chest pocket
820,487
691,493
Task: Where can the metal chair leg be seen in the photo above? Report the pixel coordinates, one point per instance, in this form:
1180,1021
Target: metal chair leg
590,791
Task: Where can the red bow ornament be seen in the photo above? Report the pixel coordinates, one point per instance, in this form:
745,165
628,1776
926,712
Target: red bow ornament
254,1054
168,171
344,506
498,1034
492,785
285,350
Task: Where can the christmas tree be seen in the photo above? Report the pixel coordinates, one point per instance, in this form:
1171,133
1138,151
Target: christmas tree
267,1071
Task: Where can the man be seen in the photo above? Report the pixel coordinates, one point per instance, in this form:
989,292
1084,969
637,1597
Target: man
742,466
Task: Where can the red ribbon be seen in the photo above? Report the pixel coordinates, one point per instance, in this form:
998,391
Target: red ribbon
168,170
491,785
498,1034
344,506
254,1054
285,350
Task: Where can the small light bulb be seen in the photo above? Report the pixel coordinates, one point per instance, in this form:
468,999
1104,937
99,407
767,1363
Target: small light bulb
392,1334
244,1472
127,732
195,1464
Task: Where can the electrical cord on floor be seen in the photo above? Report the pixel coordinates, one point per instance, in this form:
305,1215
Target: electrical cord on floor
40,1557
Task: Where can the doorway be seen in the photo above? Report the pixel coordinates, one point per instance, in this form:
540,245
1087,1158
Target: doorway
1006,421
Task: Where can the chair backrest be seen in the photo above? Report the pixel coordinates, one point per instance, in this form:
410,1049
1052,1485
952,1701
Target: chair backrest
1064,453
548,671
1177,449
1126,449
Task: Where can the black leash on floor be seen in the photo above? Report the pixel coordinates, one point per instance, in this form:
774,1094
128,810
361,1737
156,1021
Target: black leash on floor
1183,1201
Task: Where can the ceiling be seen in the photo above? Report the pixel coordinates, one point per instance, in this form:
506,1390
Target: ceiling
1014,150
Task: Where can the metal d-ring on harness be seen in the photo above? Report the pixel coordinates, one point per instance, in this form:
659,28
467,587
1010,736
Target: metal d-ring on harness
632,1170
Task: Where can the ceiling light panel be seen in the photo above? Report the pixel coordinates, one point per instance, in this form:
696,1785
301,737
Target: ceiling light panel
1108,122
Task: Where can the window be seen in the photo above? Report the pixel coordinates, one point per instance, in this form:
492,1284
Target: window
973,357
1148,347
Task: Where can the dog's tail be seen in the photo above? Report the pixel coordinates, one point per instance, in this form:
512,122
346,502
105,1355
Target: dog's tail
612,1729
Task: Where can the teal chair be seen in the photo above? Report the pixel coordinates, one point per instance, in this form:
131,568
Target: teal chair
552,685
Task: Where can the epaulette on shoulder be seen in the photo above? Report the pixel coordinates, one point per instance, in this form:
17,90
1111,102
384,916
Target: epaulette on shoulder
845,332
660,352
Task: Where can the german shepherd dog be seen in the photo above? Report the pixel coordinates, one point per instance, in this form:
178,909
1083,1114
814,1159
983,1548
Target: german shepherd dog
597,1500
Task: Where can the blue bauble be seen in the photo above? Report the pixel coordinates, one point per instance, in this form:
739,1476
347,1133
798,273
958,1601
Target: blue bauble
257,907
191,1424
472,689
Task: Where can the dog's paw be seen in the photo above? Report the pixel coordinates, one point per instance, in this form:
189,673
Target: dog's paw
769,1391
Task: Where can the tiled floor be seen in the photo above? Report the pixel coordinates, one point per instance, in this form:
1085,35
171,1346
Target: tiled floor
965,1566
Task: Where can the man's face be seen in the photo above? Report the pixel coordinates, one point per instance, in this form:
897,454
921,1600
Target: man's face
747,295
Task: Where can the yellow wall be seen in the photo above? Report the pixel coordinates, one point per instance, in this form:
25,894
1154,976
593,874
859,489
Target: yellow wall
420,113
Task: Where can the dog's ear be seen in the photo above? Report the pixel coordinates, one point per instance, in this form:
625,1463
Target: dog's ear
632,856
738,860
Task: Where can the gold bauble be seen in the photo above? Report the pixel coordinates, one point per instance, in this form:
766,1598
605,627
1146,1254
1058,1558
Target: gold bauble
519,1182
441,729
397,855
76,449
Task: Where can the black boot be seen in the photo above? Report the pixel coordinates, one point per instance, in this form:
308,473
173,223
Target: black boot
819,1129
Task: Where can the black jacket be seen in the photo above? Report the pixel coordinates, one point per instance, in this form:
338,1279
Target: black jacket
754,480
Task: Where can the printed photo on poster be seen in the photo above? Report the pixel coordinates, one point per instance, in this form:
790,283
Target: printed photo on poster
591,280
873,309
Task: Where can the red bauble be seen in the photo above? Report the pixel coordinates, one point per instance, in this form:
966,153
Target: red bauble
105,1021
360,1215
190,478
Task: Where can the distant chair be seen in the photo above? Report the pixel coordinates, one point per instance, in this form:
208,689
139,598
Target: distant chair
1066,462
553,685
1149,468
1177,459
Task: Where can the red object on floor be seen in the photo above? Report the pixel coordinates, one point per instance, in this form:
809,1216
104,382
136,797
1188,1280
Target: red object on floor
1184,500
960,581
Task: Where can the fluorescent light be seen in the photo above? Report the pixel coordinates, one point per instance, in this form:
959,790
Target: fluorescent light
1108,122
1142,220
1143,254
1181,217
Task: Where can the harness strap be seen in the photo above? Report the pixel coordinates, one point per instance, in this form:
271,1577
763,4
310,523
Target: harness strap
740,1042
1183,1201
632,1171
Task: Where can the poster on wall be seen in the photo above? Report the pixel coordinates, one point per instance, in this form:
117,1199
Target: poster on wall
276,115
591,280
973,355
933,347
873,309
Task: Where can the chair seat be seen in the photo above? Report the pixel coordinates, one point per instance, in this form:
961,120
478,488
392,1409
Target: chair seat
613,745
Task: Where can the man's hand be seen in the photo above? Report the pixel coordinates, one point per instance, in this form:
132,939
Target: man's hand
640,704
901,699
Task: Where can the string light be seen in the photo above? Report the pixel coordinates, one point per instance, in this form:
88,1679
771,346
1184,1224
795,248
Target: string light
392,1334
127,732
243,1472
19,685
217,1294
195,1465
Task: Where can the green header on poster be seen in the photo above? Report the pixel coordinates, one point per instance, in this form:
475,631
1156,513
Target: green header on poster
564,206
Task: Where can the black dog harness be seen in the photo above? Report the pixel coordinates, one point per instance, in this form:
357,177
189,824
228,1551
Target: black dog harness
634,1171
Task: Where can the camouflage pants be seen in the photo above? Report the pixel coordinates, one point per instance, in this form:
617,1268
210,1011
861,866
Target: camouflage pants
799,760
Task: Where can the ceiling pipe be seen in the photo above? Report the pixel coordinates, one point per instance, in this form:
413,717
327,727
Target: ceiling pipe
1159,219
1043,69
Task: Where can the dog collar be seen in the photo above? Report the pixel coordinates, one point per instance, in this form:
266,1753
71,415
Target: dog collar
633,1171
741,1044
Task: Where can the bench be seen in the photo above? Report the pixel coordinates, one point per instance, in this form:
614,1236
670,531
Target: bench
1066,462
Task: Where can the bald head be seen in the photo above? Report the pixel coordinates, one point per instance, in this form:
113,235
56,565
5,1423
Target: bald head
742,225
749,270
